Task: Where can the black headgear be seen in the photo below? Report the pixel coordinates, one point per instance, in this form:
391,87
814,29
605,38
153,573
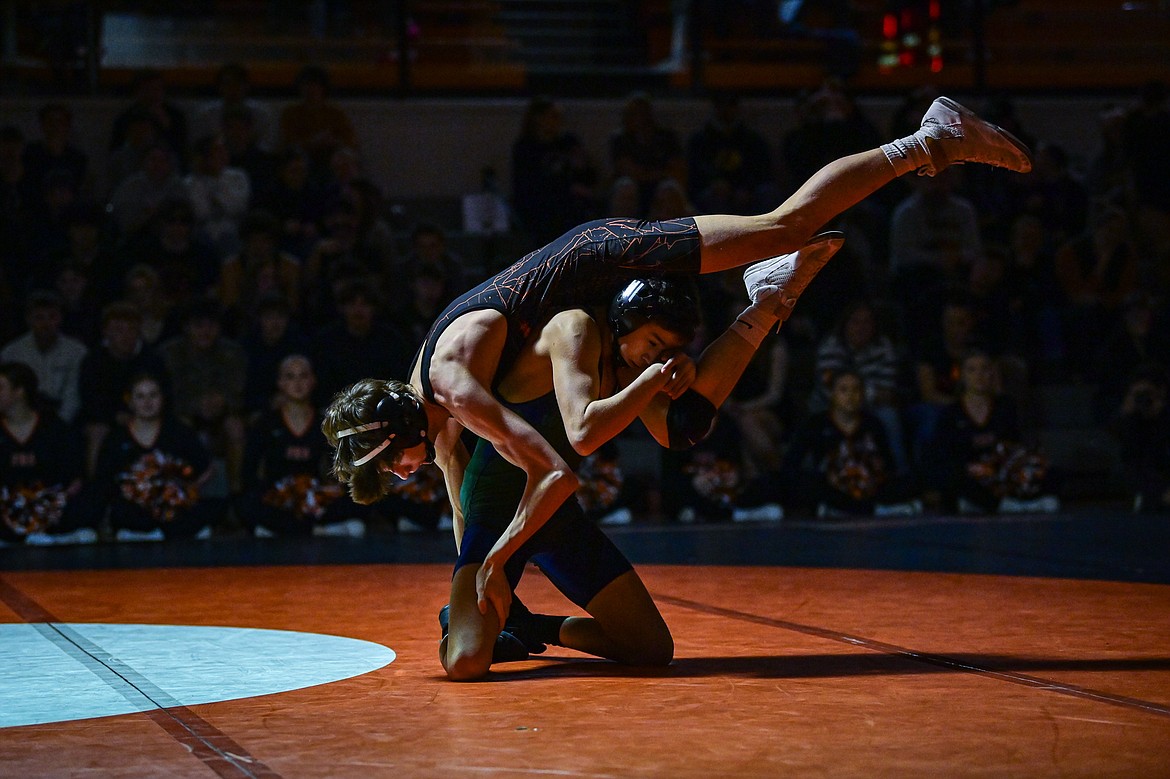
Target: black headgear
400,413
674,303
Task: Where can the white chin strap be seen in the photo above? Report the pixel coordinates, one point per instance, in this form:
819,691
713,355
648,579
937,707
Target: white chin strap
377,450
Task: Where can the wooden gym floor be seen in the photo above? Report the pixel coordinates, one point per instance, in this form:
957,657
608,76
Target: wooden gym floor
934,647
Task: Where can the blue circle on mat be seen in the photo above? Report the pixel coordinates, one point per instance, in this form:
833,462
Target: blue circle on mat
55,672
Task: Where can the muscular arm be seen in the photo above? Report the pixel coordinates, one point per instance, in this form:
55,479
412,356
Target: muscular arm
451,456
573,341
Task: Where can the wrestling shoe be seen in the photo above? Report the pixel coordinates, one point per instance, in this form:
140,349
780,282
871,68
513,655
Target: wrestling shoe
785,277
953,135
508,649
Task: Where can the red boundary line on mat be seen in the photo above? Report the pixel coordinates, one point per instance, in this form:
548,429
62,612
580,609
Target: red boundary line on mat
924,657
215,748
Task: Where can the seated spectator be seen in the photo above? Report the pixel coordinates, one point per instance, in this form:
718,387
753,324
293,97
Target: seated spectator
232,86
272,335
314,123
138,199
977,456
130,157
554,182
150,99
54,151
645,150
247,152
758,406
260,269
338,257
145,292
1097,271
1142,426
207,372
40,467
106,372
219,195
426,298
1140,338
151,472
840,462
296,200
357,344
729,164
54,357
81,309
88,246
857,344
187,265
287,487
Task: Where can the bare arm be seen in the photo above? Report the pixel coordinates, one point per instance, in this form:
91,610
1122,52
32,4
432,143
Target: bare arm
451,456
573,341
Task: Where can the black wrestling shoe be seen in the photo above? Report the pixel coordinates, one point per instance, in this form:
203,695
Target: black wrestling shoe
508,648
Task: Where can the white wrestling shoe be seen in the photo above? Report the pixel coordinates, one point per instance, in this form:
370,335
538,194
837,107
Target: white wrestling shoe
787,276
954,135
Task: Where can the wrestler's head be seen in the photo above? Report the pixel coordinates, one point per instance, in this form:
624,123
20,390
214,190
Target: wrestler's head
653,318
378,430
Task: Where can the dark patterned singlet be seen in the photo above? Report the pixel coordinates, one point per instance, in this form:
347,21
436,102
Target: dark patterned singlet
584,267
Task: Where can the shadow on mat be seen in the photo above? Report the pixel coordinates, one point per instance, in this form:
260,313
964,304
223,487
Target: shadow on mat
827,666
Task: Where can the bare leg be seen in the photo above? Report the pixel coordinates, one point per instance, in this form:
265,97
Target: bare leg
730,241
466,652
625,626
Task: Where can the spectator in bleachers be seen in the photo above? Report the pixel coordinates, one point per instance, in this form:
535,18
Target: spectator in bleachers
934,240
151,471
357,343
16,208
136,201
219,195
978,458
260,269
339,256
645,150
55,150
729,164
232,86
829,125
287,487
130,157
45,227
859,345
80,307
40,467
272,334
554,181
53,356
374,236
1146,129
1034,299
1139,338
426,297
106,372
150,98
429,246
87,246
624,198
314,123
670,202
187,265
1054,194
1097,271
1142,427
144,290
840,462
936,360
297,202
759,407
207,372
246,152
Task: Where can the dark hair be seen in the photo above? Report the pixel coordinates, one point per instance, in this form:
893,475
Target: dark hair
121,310
21,376
43,298
353,406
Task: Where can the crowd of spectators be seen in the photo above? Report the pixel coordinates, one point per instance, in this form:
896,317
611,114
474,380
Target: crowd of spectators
166,345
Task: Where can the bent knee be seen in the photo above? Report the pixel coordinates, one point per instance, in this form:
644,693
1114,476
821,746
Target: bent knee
467,667
656,653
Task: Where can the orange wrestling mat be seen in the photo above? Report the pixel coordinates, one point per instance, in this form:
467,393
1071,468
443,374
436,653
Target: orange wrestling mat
332,671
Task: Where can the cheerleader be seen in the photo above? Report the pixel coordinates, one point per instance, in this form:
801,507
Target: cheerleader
41,463
151,471
287,487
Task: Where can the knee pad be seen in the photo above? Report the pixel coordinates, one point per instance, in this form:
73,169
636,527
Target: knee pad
689,420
